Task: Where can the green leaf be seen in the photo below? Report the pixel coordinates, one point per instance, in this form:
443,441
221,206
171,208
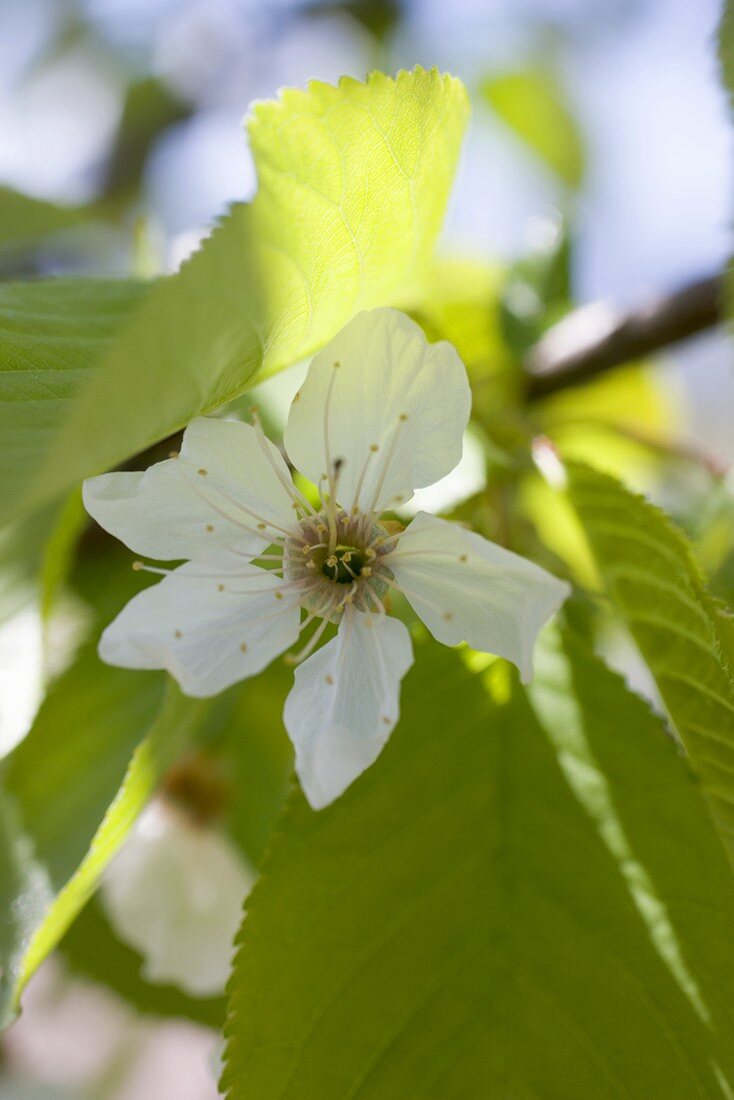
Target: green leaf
60,550
487,912
534,106
51,333
353,182
66,773
150,107
649,570
24,891
25,220
243,739
257,757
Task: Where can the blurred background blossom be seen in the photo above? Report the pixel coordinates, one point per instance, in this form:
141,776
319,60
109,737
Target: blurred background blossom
129,114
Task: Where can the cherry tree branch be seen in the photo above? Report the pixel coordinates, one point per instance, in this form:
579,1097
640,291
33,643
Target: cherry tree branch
597,337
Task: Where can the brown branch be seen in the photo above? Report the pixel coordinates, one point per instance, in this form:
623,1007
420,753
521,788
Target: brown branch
600,336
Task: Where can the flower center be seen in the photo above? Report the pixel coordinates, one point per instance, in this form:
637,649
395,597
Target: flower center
344,565
338,560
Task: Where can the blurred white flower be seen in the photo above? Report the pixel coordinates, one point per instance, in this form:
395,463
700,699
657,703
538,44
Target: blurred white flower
21,674
381,413
175,894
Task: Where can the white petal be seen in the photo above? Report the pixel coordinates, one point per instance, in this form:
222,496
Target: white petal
393,391
208,626
467,589
345,703
175,893
211,497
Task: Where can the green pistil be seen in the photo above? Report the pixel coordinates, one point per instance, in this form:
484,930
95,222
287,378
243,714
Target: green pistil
344,564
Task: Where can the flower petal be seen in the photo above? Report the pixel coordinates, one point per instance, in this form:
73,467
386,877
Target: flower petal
467,589
345,703
396,412
175,892
210,498
209,626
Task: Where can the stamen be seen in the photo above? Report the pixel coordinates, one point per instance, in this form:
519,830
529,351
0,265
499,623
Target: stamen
376,601
263,522
384,471
141,567
353,590
299,500
374,448
332,469
296,658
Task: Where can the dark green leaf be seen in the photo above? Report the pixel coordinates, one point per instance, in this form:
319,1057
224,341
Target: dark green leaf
648,568
486,913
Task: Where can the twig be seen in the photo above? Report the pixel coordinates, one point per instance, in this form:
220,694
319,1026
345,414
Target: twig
600,336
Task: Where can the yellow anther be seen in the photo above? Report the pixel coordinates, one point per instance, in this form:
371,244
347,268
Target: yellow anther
209,527
374,447
261,526
202,471
173,454
403,417
220,588
329,679
178,634
137,566
279,595
243,647
463,557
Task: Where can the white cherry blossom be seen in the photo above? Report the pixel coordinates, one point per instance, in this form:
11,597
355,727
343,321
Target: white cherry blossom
174,892
382,412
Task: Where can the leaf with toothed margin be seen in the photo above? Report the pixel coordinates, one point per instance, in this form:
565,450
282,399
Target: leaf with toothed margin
523,897
352,185
686,637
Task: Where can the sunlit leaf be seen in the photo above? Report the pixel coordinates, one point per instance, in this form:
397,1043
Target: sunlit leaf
353,182
169,734
534,106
